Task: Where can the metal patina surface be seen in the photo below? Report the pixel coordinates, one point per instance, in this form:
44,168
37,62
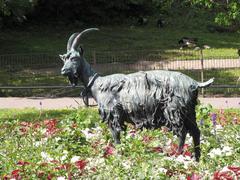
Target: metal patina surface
148,99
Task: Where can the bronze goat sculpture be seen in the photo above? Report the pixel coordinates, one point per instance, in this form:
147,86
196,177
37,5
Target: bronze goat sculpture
149,99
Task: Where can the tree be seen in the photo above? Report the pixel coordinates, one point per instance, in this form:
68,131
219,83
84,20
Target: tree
16,9
227,12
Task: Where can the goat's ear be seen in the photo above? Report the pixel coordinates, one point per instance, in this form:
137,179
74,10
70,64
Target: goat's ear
61,57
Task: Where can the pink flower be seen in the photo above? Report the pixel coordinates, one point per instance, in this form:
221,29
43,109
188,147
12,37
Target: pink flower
132,133
25,124
36,126
194,177
147,139
109,150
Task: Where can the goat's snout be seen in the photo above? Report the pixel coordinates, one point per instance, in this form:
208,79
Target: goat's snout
64,71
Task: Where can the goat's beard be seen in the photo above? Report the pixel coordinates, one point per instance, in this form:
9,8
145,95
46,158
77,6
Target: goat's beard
73,80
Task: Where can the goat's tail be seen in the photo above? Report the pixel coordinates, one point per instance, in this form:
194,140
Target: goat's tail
206,84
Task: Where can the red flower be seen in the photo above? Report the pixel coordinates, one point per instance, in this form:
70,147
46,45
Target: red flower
187,153
51,126
74,125
226,175
157,149
236,170
40,174
54,161
22,163
44,164
170,173
15,174
173,149
49,177
36,125
6,177
81,164
63,167
23,130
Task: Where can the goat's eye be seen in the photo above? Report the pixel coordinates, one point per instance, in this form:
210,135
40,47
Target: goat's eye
73,59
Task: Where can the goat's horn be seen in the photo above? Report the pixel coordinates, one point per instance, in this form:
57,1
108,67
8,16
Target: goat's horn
77,39
70,40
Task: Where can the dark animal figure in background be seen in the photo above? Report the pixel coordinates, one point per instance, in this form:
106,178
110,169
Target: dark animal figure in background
149,99
238,51
141,21
187,42
160,23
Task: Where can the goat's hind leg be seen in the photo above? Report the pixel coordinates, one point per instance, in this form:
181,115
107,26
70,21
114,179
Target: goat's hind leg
195,133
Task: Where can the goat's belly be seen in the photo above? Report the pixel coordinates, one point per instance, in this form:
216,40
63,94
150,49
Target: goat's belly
144,114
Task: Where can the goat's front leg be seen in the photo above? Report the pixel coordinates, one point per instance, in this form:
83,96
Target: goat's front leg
115,128
181,139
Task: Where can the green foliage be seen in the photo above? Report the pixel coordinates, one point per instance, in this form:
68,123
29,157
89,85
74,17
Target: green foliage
16,8
226,12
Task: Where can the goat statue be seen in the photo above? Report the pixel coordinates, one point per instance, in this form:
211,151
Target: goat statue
147,99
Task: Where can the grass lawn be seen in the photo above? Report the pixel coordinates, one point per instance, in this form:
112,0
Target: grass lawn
38,39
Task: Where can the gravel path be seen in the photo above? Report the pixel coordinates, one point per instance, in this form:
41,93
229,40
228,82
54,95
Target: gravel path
60,103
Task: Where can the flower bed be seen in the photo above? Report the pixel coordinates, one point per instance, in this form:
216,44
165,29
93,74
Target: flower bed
79,146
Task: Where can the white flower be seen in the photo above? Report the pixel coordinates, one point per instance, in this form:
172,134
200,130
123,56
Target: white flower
46,156
227,150
88,133
57,138
95,162
169,142
39,143
217,129
74,159
43,130
61,178
64,157
184,160
162,170
65,152
215,152
127,164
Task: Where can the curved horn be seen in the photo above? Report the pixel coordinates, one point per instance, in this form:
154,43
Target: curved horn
77,39
70,40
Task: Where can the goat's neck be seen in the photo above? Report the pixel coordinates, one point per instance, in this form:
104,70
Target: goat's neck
86,72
